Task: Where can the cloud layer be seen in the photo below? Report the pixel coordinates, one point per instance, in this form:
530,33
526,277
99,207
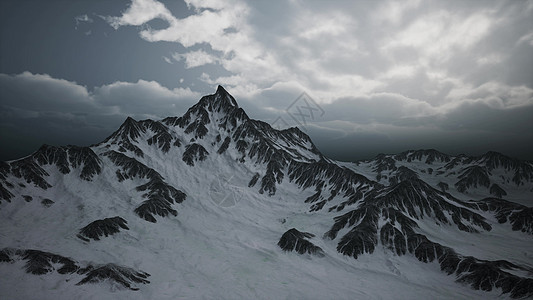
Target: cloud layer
428,52
37,109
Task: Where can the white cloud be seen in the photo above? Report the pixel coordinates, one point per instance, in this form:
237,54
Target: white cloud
212,4
82,19
527,38
400,71
394,11
195,58
204,27
490,59
140,12
492,93
333,24
437,35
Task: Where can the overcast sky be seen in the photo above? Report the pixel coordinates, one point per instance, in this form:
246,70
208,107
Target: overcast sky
378,76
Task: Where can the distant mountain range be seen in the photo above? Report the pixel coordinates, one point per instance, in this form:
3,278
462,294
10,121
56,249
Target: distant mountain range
214,204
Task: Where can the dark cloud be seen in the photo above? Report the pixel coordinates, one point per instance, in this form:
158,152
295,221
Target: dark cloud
388,123
37,109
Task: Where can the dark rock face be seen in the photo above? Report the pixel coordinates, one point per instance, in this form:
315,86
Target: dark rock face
294,240
122,275
4,170
194,152
47,202
497,191
486,275
340,181
5,194
393,239
131,131
523,171
84,156
254,179
473,176
70,156
30,171
457,161
384,163
361,238
198,128
126,135
50,155
64,158
162,140
315,197
224,145
177,142
274,148
520,216
274,174
242,145
130,167
480,274
160,195
443,186
40,263
398,206
493,160
430,156
402,174
99,228
270,143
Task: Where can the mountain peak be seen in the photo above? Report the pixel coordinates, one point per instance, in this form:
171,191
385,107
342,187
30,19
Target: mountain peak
493,160
221,90
225,97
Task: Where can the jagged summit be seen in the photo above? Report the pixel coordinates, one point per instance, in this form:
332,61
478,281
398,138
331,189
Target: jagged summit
429,156
223,95
493,160
129,129
220,100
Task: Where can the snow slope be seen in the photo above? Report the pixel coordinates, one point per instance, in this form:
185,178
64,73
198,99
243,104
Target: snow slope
194,207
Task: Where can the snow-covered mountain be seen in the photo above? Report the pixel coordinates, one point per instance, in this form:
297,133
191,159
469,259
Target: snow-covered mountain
214,204
489,175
